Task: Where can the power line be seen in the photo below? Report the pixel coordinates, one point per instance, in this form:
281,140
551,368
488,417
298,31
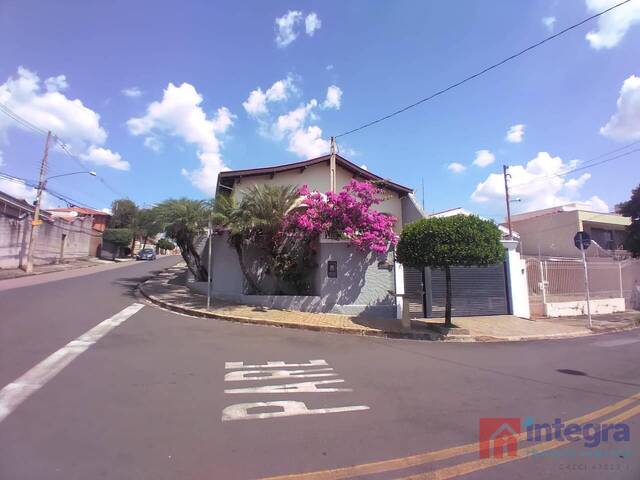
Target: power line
21,120
79,161
588,164
65,198
25,123
481,72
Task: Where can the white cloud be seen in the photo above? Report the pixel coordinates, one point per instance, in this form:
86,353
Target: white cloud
537,185
312,23
153,143
180,114
286,27
256,102
612,26
131,92
484,158
105,157
330,67
334,97
21,190
364,167
56,84
49,109
295,125
515,133
107,210
456,167
293,120
308,143
625,123
549,23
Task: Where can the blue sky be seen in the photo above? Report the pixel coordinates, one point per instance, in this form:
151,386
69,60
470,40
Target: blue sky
200,62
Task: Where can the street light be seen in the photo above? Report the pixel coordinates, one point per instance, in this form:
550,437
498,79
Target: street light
36,214
93,174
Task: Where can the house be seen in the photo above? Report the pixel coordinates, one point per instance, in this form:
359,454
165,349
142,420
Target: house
550,231
58,238
345,279
99,221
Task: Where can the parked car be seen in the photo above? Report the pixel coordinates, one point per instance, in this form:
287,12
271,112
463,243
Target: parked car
146,254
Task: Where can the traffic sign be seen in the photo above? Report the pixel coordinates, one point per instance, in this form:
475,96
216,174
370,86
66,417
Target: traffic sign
582,240
35,223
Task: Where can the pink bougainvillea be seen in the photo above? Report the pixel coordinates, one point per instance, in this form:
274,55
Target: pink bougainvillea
346,215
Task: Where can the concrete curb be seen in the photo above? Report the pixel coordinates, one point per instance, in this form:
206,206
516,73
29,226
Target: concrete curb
254,321
430,336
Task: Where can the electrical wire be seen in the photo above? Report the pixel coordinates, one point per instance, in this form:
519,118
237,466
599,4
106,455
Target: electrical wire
65,148
582,167
481,72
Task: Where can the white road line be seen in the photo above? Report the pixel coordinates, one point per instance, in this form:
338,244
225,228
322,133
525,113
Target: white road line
287,408
16,392
239,375
312,363
302,387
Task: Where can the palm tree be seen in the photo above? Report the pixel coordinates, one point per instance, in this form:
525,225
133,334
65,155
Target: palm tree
184,220
255,221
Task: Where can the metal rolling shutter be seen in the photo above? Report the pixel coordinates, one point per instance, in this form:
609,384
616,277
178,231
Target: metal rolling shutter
475,291
413,291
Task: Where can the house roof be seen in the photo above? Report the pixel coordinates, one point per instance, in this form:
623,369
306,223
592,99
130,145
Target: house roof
21,204
80,211
227,178
582,211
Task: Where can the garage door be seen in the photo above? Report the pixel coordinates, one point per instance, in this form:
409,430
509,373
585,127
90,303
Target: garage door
475,291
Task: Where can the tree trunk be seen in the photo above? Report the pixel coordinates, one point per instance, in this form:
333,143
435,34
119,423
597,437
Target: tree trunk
145,243
447,310
245,271
133,245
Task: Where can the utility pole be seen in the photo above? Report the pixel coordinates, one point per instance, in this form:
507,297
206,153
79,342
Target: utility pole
506,193
33,235
332,165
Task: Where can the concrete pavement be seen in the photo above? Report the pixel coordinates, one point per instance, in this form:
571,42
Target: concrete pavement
146,401
169,290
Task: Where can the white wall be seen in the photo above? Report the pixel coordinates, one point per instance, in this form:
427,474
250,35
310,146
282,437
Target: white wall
517,278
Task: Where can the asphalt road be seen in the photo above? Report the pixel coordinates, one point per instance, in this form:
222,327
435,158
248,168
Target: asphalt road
143,397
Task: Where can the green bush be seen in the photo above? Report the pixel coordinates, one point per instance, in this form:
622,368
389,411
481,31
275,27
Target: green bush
459,240
165,244
118,236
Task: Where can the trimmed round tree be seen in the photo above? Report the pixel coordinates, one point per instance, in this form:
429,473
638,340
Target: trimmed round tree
460,240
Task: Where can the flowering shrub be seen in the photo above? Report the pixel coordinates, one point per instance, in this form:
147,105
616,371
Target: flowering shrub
347,215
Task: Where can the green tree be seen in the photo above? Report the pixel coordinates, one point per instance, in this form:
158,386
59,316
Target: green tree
165,244
123,213
451,241
184,221
147,225
120,237
631,208
256,222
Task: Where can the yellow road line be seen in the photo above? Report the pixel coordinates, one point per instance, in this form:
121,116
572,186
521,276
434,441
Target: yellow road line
474,466
428,457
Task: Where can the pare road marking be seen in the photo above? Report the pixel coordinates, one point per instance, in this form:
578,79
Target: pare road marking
277,370
268,374
286,408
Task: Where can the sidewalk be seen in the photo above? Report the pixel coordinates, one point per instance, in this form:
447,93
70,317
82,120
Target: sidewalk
169,291
71,264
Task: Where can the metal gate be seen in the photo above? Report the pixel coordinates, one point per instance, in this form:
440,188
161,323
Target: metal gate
414,291
475,291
